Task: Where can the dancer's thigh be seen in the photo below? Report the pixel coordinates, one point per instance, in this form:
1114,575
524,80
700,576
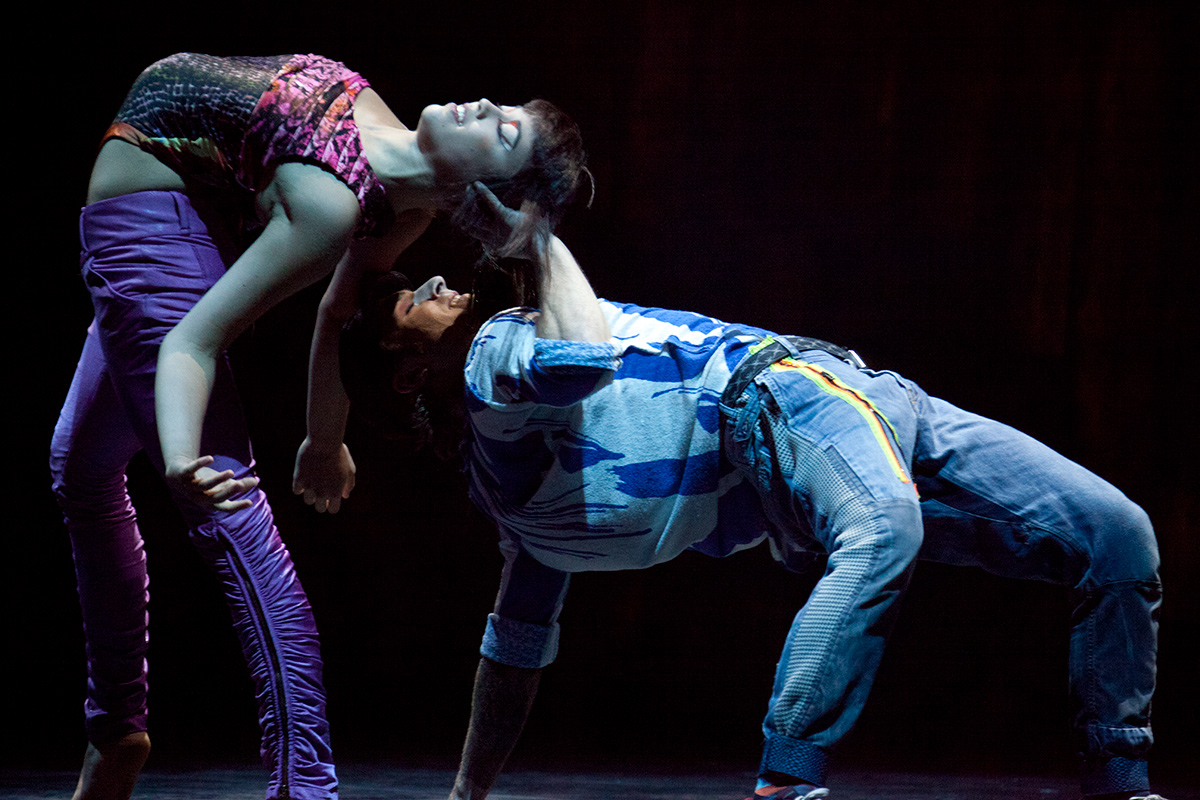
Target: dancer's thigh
93,440
994,497
142,284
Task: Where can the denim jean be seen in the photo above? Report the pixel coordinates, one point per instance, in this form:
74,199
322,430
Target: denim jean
866,467
147,258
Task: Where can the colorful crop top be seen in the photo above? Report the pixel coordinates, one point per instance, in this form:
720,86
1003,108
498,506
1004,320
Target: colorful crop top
227,122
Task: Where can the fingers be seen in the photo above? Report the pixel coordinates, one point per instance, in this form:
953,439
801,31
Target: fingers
190,468
233,505
322,503
323,481
212,482
231,488
502,213
489,197
496,221
220,489
206,486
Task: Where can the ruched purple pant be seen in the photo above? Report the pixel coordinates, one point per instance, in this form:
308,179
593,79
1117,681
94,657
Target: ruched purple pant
147,259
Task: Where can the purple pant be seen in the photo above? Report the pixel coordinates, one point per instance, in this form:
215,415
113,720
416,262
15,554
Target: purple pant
147,258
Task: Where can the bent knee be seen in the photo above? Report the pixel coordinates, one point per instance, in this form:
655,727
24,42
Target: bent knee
1123,545
94,501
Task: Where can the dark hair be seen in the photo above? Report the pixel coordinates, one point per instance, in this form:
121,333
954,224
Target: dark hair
411,393
367,369
545,187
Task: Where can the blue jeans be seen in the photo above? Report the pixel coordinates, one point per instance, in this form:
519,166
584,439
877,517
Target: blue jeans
147,259
864,466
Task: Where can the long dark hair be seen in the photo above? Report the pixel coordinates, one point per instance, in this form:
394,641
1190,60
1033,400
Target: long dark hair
413,392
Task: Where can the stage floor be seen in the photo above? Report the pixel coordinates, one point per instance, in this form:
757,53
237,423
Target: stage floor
370,782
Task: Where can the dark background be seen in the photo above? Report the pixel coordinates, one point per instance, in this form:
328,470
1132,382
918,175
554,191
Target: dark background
997,201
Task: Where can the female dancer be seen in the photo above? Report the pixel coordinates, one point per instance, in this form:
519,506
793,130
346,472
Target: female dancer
337,184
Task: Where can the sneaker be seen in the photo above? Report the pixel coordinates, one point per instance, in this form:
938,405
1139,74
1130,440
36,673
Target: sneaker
792,793
1148,797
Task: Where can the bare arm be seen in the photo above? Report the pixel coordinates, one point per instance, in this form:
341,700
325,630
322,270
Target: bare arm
503,693
312,215
325,472
502,699
569,308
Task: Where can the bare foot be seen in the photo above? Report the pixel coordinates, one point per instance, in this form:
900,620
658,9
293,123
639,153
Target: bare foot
110,772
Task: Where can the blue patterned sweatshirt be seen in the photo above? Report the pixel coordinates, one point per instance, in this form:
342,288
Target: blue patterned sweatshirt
600,456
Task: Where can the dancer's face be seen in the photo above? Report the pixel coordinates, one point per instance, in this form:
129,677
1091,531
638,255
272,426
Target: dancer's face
475,141
426,314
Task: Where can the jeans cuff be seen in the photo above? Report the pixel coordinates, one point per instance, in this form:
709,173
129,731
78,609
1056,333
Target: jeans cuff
800,759
1116,774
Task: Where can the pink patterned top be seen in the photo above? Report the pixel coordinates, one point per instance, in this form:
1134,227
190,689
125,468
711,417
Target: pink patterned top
228,121
308,115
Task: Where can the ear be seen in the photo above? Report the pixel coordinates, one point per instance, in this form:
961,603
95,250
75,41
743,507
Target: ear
407,381
391,341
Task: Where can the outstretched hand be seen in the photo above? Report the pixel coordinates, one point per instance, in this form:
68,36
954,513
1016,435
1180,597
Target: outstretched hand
323,478
496,224
207,487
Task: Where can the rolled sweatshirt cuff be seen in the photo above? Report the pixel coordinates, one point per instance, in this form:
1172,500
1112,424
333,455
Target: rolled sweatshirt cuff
519,644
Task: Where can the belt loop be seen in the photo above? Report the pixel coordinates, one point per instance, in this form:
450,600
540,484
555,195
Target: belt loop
182,213
788,345
83,243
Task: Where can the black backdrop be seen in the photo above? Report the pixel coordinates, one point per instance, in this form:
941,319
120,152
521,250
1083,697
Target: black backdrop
997,202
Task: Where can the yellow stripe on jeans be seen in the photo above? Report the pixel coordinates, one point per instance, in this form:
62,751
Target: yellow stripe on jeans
874,418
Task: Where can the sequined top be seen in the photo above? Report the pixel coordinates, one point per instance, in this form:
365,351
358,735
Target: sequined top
227,121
